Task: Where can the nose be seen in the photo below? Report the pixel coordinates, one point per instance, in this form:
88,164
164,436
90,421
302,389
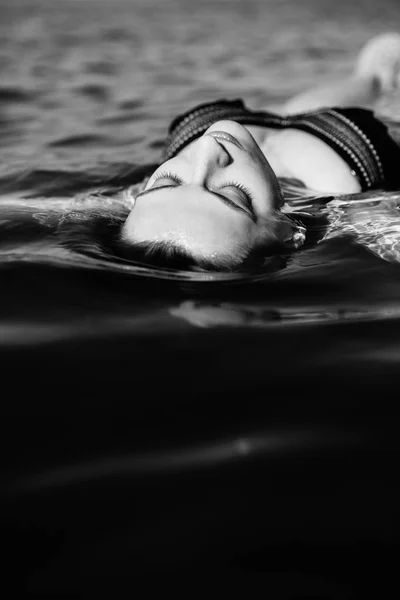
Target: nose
210,155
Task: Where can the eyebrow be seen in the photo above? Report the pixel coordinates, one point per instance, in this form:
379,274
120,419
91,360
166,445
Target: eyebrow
251,214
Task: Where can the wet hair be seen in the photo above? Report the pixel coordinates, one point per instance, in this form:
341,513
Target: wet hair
169,254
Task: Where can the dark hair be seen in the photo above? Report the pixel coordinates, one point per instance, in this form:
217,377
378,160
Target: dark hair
169,254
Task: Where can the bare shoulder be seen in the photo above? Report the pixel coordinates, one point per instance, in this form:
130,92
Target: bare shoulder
303,156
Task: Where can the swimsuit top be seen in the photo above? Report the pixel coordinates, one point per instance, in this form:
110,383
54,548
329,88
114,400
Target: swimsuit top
361,139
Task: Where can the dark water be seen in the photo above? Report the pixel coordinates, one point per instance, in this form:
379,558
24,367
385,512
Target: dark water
152,425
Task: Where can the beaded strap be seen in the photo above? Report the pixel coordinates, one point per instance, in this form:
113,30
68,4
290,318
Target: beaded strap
366,140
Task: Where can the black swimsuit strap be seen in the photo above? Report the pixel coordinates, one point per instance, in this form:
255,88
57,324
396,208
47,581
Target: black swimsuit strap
192,124
355,134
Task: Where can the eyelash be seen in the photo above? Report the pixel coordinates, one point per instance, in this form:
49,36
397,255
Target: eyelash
179,181
168,175
241,187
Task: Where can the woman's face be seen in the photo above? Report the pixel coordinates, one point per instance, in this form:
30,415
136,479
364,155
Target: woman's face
216,197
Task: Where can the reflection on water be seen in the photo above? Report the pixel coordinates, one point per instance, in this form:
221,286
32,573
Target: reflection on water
192,458
374,221
227,314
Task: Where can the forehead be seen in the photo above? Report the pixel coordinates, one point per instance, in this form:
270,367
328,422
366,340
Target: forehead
193,217
174,200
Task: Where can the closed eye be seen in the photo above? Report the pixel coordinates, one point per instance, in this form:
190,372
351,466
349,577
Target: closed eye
236,186
239,187
240,193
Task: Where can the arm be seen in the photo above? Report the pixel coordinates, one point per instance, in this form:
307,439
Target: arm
376,73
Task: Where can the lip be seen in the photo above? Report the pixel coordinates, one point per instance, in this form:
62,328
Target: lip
223,135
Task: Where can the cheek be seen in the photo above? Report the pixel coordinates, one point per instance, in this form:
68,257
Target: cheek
261,176
271,185
264,168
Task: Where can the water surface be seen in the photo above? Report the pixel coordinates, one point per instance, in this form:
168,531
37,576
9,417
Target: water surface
112,368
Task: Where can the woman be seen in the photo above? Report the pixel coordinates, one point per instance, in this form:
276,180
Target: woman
216,201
